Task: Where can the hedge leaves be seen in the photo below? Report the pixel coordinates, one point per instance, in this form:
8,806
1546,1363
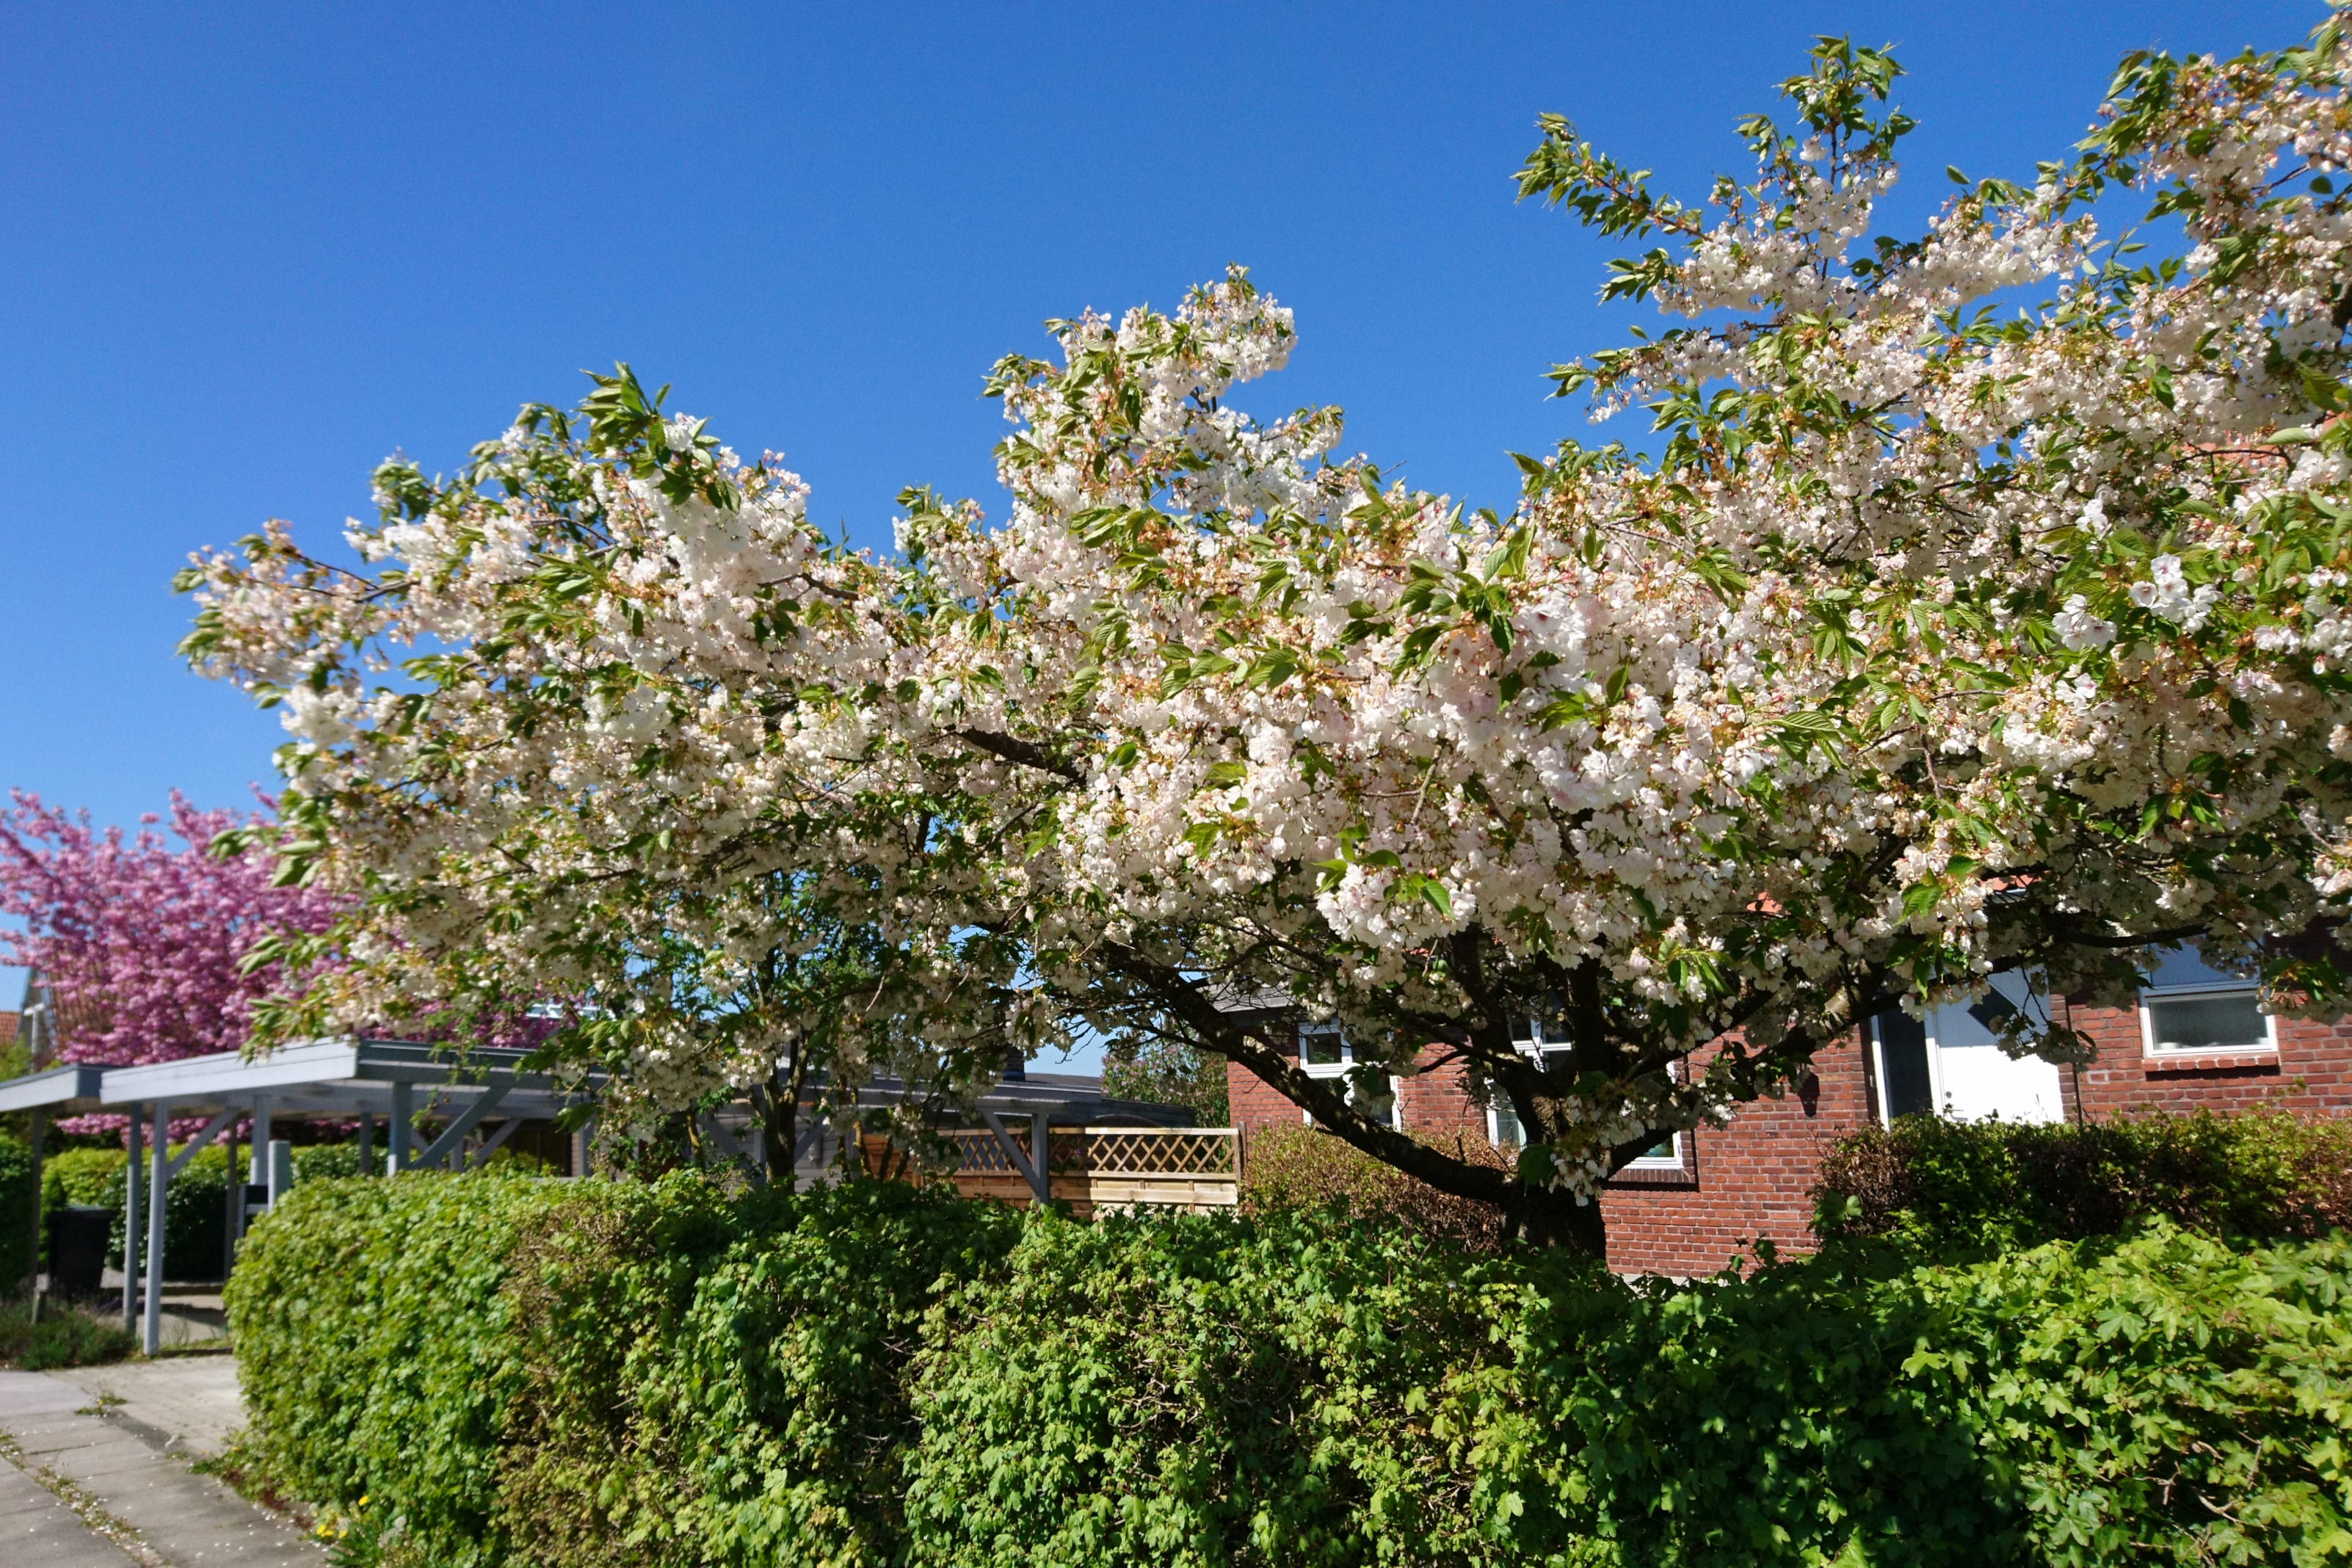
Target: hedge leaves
476,1370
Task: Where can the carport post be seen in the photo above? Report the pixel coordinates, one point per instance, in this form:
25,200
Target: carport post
396,1135
256,1152
367,1142
159,1175
134,1183
32,1279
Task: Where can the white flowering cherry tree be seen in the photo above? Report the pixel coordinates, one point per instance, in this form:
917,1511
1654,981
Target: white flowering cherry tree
1935,640
552,744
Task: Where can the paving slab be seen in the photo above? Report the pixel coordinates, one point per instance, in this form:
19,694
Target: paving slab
127,1469
39,1531
192,1400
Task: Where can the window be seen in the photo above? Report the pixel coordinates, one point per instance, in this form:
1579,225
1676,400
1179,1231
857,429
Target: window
1507,1133
1546,1034
1950,1062
2188,1005
1324,1052
1667,1151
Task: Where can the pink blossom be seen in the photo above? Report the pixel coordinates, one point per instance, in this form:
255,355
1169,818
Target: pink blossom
138,937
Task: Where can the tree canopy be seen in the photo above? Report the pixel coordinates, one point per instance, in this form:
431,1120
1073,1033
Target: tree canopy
1947,631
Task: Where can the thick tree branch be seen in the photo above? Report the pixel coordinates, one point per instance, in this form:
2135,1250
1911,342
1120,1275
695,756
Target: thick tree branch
1538,1214
1012,750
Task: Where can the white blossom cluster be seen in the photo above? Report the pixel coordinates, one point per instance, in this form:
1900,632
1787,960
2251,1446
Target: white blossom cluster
1936,644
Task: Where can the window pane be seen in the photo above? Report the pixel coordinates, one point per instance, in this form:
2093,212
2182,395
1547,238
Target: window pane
1319,1045
2184,966
1379,1104
1507,1131
2206,1023
1661,1150
1903,1055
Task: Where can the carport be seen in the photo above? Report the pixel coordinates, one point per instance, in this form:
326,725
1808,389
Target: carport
387,1081
70,1090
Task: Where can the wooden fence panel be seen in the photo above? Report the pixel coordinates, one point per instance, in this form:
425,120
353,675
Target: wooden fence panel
1092,1169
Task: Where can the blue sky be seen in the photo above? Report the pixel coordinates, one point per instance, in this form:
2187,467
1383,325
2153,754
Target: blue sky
250,250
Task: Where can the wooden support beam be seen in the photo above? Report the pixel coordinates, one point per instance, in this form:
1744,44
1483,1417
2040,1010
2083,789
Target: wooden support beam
481,1156
402,1129
1033,1166
159,1177
466,1122
134,1182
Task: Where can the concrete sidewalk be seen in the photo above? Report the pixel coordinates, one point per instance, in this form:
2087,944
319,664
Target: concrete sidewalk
184,1404
98,1471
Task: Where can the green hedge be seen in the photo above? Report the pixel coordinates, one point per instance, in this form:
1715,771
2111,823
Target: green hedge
16,1214
196,1205
517,1369
377,1351
1204,1391
1950,1188
2160,1398
485,1371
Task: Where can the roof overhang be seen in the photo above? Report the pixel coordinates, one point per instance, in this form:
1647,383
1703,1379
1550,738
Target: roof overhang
346,1077
73,1088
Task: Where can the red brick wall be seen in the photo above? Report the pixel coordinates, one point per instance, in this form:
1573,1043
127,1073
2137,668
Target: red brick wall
1251,1101
2309,1072
1755,1177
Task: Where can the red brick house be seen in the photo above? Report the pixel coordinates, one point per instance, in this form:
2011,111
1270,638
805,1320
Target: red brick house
2196,1041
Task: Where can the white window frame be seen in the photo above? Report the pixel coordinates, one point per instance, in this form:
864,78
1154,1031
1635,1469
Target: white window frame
1878,1072
1670,1160
1534,1044
2154,994
1940,1096
1340,1069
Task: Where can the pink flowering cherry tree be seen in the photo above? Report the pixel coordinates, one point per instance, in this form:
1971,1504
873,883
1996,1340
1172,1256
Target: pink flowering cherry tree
1932,642
141,938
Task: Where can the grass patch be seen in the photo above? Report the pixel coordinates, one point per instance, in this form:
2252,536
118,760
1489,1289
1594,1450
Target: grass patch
65,1336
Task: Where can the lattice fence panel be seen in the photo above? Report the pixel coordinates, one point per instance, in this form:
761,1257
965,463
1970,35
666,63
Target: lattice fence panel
1153,1152
978,1153
1103,1152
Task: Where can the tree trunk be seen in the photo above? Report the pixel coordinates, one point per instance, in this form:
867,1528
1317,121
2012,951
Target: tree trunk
1544,1219
1536,1214
779,1128
779,1106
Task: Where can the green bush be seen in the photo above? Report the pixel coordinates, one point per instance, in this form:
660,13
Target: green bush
65,1336
596,1372
1288,1168
1202,1390
325,1162
196,1205
83,1176
1949,1188
378,1355
196,1215
475,1371
16,1215
2161,1398
722,1380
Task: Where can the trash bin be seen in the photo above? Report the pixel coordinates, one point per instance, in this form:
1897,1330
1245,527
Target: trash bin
78,1236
